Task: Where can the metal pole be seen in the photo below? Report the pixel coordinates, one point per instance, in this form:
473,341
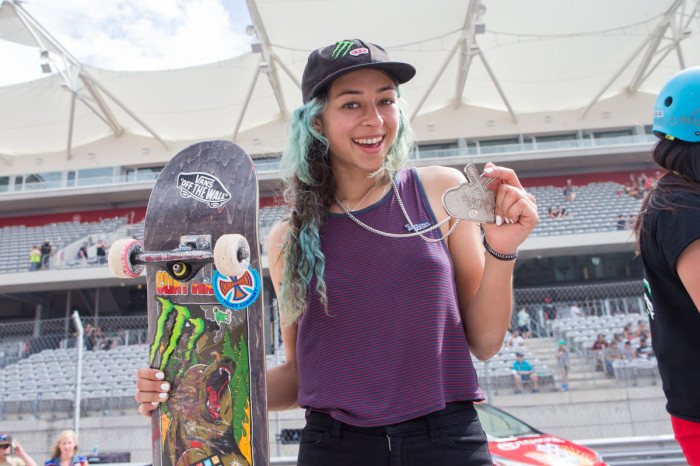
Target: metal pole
275,346
487,376
78,372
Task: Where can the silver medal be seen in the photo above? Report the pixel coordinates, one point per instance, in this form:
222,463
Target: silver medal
471,200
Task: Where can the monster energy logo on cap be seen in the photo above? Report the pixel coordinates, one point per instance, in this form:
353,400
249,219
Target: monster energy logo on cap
342,48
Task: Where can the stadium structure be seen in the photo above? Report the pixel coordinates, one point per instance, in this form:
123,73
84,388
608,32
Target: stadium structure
556,90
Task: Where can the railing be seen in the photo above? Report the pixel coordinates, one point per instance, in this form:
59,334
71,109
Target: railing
630,451
61,180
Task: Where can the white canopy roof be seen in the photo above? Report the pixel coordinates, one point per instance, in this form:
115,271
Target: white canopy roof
515,56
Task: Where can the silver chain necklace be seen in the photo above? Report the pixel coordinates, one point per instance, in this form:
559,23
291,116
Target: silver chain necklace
416,232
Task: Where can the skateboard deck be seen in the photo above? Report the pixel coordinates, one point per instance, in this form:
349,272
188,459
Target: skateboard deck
206,329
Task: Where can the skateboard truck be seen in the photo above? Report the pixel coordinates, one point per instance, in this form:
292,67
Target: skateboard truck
230,255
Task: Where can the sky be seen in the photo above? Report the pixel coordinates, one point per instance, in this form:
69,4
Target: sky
132,35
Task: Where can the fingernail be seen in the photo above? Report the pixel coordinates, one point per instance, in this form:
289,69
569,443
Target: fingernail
510,220
162,396
488,170
165,386
154,403
499,220
160,375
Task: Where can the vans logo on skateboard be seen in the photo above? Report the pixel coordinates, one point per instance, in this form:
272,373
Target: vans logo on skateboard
204,188
237,292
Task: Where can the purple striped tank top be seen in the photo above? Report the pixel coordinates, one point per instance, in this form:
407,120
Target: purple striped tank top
393,347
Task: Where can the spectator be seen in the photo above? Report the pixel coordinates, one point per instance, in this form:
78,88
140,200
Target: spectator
627,332
642,329
597,349
644,350
35,258
90,339
610,355
628,353
618,338
564,364
575,312
523,322
621,222
106,343
551,213
12,453
64,451
121,336
101,252
82,255
549,310
569,191
46,251
523,371
631,220
516,340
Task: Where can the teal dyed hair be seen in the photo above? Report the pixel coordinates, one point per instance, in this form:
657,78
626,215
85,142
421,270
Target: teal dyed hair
310,190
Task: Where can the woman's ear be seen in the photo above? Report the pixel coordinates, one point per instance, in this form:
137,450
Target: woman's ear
318,125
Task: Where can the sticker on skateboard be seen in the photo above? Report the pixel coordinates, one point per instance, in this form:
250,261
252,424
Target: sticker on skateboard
205,308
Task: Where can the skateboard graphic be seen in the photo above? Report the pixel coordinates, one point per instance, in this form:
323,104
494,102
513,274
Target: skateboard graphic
205,307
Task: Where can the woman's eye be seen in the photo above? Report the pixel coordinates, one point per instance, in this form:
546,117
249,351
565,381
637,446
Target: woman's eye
350,105
387,101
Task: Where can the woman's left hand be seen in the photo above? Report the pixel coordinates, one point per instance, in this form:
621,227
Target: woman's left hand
516,211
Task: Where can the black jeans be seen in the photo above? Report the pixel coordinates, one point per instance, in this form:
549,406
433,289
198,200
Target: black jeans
449,437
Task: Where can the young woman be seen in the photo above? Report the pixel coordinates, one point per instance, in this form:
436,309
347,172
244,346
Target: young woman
668,230
64,451
381,300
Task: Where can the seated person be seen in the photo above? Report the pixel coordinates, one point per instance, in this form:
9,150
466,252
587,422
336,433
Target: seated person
642,329
611,354
597,349
522,370
644,350
628,353
621,222
516,340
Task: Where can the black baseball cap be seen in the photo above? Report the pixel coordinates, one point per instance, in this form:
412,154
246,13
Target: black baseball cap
328,63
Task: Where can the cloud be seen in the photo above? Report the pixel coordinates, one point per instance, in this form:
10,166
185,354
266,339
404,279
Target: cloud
135,35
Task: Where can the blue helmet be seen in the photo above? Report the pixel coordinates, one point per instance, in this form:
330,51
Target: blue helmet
677,109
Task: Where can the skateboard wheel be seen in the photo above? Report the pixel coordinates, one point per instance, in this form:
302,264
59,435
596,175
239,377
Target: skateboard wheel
119,258
232,255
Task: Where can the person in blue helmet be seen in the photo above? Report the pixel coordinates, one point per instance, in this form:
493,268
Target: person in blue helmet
668,231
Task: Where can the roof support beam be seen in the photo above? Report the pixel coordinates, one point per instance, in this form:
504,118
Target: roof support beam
268,63
71,72
241,115
468,48
651,42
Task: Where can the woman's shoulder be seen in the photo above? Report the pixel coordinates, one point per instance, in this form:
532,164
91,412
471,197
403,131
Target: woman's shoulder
437,179
278,232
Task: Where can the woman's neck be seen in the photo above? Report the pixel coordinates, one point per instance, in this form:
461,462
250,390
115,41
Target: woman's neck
363,192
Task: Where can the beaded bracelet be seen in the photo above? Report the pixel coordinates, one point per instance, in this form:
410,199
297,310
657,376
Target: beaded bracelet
498,255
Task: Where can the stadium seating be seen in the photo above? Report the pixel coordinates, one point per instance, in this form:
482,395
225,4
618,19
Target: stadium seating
16,241
43,384
595,208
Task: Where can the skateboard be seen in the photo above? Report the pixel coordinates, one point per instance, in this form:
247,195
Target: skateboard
205,307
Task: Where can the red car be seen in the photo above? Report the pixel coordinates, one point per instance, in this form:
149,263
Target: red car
514,443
